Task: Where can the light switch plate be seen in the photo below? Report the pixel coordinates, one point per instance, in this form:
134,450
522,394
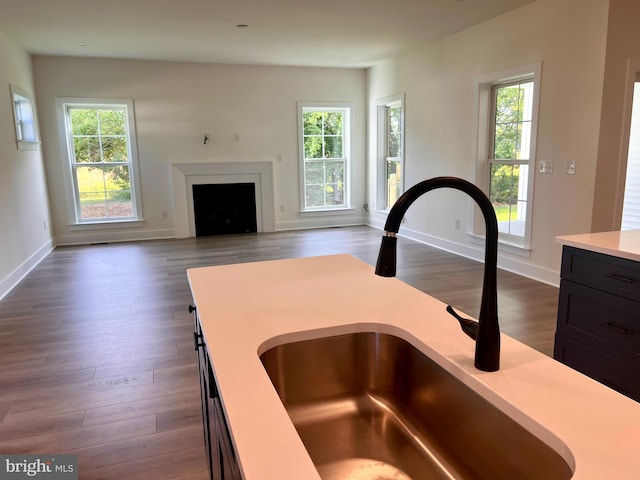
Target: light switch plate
570,167
545,166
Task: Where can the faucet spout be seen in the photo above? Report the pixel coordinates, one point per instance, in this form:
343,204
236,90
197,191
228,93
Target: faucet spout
487,333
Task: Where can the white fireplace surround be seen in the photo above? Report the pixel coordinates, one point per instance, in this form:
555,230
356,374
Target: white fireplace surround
185,175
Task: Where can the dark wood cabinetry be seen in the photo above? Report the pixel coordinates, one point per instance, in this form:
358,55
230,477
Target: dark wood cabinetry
598,331
221,456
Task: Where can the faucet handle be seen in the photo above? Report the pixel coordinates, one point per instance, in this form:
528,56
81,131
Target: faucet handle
470,327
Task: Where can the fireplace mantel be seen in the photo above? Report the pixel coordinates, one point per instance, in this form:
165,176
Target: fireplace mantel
184,175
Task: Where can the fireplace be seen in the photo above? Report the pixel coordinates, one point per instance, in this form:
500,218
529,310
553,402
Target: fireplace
224,208
184,176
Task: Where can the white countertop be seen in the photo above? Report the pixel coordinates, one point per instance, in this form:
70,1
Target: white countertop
623,244
245,309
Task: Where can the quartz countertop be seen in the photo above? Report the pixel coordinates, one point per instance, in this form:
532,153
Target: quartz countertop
245,309
623,244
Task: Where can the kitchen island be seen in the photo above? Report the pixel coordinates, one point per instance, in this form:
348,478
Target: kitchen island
621,244
246,309
598,329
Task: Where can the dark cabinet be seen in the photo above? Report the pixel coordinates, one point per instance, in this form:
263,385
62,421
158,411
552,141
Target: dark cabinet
598,330
221,456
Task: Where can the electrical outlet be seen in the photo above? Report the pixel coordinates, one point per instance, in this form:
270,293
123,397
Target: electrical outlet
282,208
456,224
165,214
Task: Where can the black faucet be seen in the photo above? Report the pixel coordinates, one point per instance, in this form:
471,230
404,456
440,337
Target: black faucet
486,331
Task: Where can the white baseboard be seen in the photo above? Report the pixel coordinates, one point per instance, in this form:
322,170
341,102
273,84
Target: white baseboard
376,221
7,284
505,262
97,236
321,222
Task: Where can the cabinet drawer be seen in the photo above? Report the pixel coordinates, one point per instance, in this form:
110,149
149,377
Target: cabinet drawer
602,368
612,274
601,320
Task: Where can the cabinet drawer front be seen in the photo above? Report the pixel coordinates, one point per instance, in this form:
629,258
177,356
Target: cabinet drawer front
606,370
601,320
612,274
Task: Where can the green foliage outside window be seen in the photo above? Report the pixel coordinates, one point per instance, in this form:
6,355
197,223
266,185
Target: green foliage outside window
393,151
101,162
512,126
323,134
504,184
394,136
512,119
510,152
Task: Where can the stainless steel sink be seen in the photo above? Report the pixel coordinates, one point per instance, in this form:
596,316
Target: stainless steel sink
372,406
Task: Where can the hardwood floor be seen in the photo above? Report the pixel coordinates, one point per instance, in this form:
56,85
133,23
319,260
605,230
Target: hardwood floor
97,351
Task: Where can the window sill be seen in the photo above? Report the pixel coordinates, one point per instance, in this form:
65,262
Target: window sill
106,225
504,246
28,145
327,212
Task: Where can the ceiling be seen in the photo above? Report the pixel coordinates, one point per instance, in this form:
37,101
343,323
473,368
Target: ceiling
338,33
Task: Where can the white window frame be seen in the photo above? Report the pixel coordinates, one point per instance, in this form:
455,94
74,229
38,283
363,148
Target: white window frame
66,140
382,133
348,129
24,119
484,88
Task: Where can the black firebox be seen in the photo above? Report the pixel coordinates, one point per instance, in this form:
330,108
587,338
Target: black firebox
223,209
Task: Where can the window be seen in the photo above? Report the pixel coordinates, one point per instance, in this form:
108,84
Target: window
510,154
24,120
101,160
390,118
325,152
631,205
509,142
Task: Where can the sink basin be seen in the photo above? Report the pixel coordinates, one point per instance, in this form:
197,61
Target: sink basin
372,406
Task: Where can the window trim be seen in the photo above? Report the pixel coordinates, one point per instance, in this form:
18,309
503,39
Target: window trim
381,147
484,130
24,142
348,108
66,142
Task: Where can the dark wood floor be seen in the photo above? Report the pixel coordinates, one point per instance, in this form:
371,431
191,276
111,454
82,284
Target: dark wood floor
97,354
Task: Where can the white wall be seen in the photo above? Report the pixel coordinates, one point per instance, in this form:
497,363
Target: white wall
175,103
568,37
623,51
24,211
